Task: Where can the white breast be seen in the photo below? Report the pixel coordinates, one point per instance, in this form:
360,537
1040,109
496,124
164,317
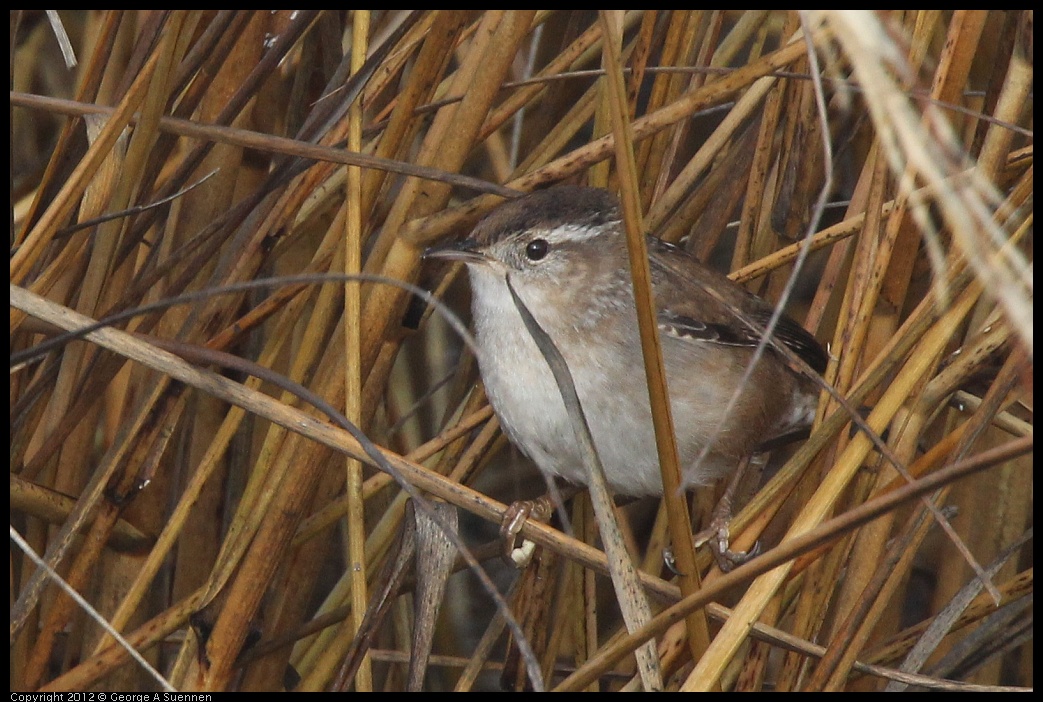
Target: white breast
522,390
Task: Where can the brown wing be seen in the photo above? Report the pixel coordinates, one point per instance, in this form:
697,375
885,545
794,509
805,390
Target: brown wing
697,302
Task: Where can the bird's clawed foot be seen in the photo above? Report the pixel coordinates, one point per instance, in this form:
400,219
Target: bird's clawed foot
720,546
516,550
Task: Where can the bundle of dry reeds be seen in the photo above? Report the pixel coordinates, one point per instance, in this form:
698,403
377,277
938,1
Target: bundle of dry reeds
228,470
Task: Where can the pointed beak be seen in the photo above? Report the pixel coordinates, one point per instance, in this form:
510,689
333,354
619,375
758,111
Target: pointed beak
466,251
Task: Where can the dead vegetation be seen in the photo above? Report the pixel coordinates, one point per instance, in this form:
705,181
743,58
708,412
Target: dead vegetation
241,538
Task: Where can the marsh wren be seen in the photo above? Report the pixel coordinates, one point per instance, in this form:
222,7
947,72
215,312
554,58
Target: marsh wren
564,251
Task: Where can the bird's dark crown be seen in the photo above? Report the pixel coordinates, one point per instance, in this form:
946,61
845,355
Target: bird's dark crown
547,210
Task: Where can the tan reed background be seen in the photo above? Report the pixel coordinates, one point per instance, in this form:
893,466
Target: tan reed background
245,546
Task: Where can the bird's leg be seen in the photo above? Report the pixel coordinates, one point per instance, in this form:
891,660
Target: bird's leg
718,534
516,550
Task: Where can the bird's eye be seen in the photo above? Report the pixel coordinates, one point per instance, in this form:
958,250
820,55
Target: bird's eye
537,249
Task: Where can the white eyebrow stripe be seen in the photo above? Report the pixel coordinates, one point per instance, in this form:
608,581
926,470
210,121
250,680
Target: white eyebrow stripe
569,231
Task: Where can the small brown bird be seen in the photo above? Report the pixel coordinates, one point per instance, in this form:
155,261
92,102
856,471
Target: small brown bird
564,251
